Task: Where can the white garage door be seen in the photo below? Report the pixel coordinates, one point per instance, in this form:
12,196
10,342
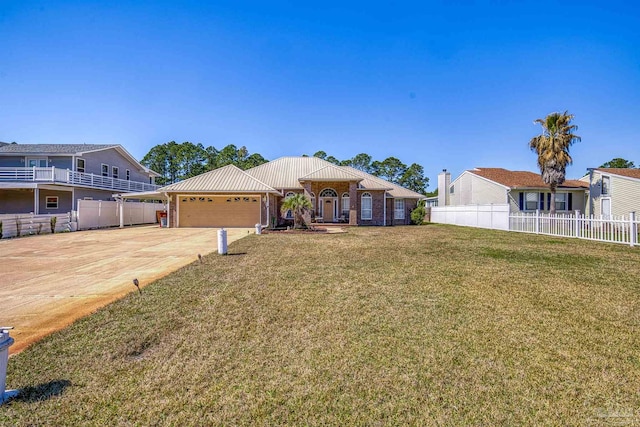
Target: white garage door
218,211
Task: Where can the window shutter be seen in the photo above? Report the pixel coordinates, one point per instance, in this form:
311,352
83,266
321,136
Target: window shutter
549,201
521,201
570,201
541,204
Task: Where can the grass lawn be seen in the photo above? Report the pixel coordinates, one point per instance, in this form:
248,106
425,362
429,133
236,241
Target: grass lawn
432,325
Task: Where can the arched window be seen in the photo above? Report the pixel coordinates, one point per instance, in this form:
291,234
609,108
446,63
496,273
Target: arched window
328,192
345,205
366,206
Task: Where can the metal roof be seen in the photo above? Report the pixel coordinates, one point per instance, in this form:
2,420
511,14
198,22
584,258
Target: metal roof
53,148
227,179
331,173
287,172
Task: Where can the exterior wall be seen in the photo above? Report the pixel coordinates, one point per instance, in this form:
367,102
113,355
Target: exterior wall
577,202
111,157
377,207
11,162
623,192
16,201
65,201
61,162
173,211
340,188
470,189
409,205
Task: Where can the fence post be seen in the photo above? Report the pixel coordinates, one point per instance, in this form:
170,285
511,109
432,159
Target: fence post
537,224
633,228
577,212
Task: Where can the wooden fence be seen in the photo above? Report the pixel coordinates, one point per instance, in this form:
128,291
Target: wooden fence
30,224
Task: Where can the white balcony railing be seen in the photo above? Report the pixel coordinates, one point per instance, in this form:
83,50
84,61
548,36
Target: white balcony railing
65,176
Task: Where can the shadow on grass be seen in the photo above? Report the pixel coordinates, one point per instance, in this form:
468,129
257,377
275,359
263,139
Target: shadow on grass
42,392
239,253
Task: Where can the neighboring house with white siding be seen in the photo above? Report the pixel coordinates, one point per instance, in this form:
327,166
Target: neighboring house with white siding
613,191
523,191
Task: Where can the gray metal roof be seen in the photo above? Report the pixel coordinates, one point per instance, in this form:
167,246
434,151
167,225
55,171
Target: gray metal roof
53,148
227,179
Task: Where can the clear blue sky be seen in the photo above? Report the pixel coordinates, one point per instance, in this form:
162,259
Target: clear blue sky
444,86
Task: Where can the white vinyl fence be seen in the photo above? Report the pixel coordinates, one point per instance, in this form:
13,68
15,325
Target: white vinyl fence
612,229
495,216
99,214
30,224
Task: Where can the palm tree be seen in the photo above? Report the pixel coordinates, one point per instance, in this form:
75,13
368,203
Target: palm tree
298,204
552,148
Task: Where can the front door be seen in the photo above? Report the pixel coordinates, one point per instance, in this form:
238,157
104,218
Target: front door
328,209
606,208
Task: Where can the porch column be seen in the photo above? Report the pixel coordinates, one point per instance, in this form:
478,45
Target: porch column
36,201
353,202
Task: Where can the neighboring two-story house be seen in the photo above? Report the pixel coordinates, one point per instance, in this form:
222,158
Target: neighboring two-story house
613,191
51,178
523,191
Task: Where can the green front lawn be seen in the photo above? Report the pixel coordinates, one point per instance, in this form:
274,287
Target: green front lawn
423,325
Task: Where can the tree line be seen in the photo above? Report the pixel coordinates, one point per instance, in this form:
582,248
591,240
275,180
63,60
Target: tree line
176,162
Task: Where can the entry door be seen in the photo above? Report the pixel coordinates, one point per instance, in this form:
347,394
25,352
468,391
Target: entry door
606,208
328,209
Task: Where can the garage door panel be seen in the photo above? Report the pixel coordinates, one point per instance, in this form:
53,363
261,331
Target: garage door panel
219,211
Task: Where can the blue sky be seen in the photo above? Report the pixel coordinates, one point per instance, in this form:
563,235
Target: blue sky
445,84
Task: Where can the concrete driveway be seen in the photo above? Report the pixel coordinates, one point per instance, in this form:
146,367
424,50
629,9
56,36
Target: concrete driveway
49,281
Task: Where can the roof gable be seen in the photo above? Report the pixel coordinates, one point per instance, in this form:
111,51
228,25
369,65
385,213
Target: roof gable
625,172
520,179
331,173
227,179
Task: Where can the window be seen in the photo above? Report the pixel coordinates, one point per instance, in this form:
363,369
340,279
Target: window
313,204
289,214
345,205
606,186
37,163
398,208
80,165
531,201
328,192
366,207
451,189
561,201
115,171
105,170
128,174
52,202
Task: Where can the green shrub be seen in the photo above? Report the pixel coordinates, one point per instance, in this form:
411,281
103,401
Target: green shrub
417,215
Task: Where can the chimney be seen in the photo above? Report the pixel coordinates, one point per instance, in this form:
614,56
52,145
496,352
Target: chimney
444,181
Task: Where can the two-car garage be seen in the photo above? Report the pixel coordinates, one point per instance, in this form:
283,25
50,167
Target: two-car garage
218,211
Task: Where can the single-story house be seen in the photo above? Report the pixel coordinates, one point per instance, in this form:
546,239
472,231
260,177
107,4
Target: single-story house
613,191
51,178
523,191
230,197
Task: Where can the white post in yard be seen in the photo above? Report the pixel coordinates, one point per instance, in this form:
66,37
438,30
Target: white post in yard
577,223
5,342
222,241
537,224
633,239
121,206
